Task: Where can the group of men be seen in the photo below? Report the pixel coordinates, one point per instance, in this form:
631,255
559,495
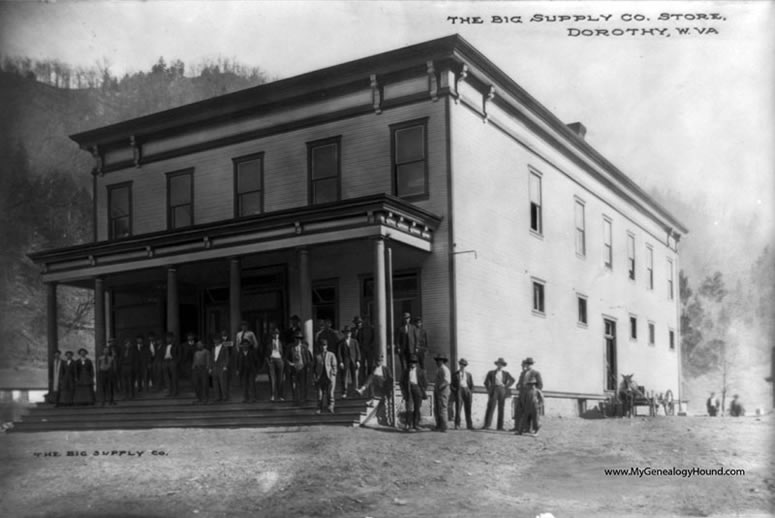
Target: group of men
713,406
459,387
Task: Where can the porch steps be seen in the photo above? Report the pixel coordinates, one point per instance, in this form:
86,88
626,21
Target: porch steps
154,412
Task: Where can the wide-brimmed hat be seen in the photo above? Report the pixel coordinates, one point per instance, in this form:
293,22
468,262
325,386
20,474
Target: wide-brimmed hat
84,350
463,362
529,360
418,319
357,319
413,359
407,315
275,331
501,361
441,357
298,334
347,329
68,353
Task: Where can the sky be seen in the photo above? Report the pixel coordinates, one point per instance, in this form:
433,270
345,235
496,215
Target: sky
689,113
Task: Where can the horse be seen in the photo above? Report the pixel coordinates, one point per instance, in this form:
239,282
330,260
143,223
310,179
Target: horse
628,391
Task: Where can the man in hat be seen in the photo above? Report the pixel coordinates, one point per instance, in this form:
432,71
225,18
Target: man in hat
67,380
712,405
325,377
497,383
519,406
299,365
172,362
462,388
247,368
201,367
221,364
157,362
364,333
246,334
441,389
126,365
736,408
422,341
413,387
378,381
531,400
274,359
406,340
294,327
143,354
84,379
349,356
106,376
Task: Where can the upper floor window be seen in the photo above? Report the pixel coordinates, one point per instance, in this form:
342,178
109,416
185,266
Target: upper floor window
582,309
650,267
631,256
670,279
119,210
581,240
410,164
671,339
180,199
324,163
608,251
652,333
538,296
633,327
536,223
249,185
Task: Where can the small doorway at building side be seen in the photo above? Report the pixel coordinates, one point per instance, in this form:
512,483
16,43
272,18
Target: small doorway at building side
611,374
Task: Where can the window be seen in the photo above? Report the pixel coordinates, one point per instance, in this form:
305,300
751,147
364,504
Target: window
538,296
608,251
249,185
670,279
650,267
581,242
582,305
406,295
652,333
410,165
325,301
631,256
324,170
119,210
180,199
633,327
671,337
536,224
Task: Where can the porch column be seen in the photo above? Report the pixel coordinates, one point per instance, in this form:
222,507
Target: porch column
99,315
173,306
380,297
235,295
52,330
305,296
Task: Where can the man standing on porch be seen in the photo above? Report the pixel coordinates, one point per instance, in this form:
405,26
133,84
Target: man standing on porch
247,368
406,340
299,364
171,359
275,361
364,333
200,372
349,354
221,368
246,334
127,365
325,377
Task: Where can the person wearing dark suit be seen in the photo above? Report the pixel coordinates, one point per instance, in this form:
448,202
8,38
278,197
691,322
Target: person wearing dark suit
325,332
186,352
462,388
273,352
413,386
299,364
84,379
172,361
520,387
364,333
201,367
295,327
422,341
324,377
349,356
530,419
247,369
498,384
157,362
406,340
127,364
221,363
106,379
67,380
441,390
144,361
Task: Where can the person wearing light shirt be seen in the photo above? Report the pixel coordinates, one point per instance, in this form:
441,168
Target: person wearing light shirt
463,387
299,365
413,386
171,364
220,369
441,391
497,383
274,358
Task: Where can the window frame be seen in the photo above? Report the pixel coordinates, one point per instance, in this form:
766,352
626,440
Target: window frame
631,257
394,165
337,140
652,327
578,202
649,267
670,279
534,173
541,309
109,189
671,339
170,209
579,321
330,282
236,161
608,243
633,327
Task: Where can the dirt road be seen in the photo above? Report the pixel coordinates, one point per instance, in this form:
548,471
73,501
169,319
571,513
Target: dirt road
350,472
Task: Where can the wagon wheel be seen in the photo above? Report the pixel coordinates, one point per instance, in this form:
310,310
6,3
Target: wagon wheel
668,403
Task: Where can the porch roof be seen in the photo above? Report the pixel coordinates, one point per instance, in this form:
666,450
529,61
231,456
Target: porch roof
369,216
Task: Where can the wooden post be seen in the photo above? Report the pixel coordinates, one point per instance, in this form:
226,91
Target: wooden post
305,297
99,316
173,305
235,296
52,330
380,296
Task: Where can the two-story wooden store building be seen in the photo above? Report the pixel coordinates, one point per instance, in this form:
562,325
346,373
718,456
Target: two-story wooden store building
509,233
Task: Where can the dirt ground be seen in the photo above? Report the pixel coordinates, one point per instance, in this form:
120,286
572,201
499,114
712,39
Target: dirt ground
357,472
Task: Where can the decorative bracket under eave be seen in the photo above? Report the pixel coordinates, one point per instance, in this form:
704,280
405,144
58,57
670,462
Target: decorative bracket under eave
433,82
485,99
461,76
96,152
137,150
376,94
